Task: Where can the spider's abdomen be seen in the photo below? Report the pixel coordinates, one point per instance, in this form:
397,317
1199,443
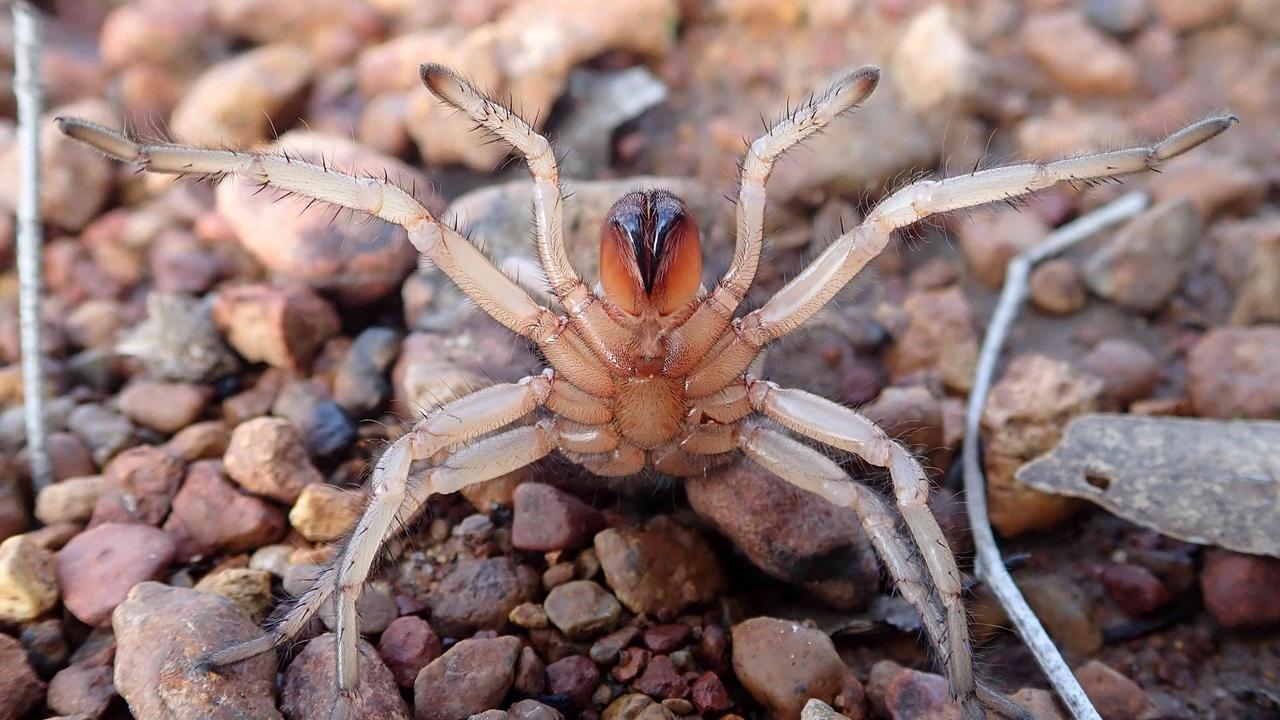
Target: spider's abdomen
649,411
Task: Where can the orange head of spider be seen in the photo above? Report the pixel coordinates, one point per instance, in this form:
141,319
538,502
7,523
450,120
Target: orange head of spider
650,253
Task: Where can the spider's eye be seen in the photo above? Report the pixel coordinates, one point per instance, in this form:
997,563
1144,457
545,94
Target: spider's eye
650,254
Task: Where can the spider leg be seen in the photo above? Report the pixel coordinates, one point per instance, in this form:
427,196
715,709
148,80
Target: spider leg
470,270
537,152
715,312
810,470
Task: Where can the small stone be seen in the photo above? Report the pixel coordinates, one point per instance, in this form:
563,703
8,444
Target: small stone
256,401
678,706
1146,261
812,668
632,706
309,684
529,615
575,676
1057,287
281,326
533,710
1113,694
1135,589
21,689
1077,56
934,66
663,639
829,555
408,645
99,566
83,689
557,574
323,513
216,110
1239,589
360,384
272,558
46,645
1024,417
1040,703
904,694
1064,611
1213,183
71,500
605,650
211,516
709,695
163,407
201,441
631,662
547,519
1235,373
160,630
659,569
68,457
28,580
661,679
1183,15
178,340
480,595
106,431
1128,370
14,518
582,609
473,676
325,428
531,673
266,457
935,338
138,486
250,589
1118,17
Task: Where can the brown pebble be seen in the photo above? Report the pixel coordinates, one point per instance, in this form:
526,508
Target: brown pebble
605,650
408,645
1057,287
165,407
138,486
473,676
281,326
21,689
582,609
631,662
709,695
661,679
1135,589
1240,590
266,457
1113,694
547,518
97,568
661,568
212,516
201,441
531,673
575,676
662,639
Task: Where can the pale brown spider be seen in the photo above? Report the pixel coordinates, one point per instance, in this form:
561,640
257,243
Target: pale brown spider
653,371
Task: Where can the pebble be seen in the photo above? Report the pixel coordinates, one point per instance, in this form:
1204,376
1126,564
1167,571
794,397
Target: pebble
529,615
1078,57
634,706
179,341
1186,15
68,457
1239,589
659,569
138,486
46,644
20,687
1113,694
605,650
201,441
408,645
473,676
1213,183
1135,589
1248,259
533,710
547,518
829,555
104,430
354,261
256,401
663,639
237,102
783,664
211,517
309,684
283,326
83,689
160,629
1042,704
97,568
575,676
75,179
905,694
582,609
1235,373
933,65
1024,417
1064,611
360,385
28,580
661,679
1118,17
162,406
480,595
1145,263
709,694
71,500
933,338
815,709
631,662
247,588
266,456
1057,287
531,673
1128,371
324,513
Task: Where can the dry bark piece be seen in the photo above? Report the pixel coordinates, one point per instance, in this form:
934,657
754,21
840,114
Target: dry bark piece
1204,481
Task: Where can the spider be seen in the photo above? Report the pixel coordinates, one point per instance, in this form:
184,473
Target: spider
650,369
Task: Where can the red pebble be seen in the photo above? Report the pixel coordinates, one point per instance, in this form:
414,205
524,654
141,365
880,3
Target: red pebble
709,695
662,639
408,645
1135,589
660,679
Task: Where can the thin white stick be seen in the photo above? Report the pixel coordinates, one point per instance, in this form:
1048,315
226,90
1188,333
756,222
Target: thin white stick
989,566
28,88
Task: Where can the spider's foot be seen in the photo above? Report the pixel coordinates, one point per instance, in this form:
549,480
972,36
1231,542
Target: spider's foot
232,654
995,704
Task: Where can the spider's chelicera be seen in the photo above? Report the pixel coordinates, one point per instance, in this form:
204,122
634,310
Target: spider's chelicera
655,371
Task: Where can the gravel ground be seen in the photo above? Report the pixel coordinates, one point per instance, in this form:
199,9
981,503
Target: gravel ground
224,365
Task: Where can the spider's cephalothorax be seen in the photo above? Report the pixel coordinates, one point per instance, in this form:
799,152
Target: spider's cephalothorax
651,372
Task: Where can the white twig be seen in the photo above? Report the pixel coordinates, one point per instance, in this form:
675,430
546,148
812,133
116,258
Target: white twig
28,89
989,566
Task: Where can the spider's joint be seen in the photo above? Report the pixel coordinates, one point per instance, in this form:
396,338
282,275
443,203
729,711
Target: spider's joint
758,392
